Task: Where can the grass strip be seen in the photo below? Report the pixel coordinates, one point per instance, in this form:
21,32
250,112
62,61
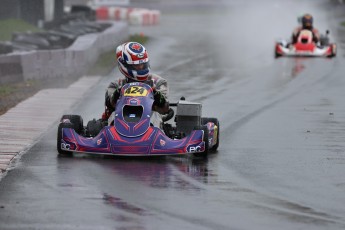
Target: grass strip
8,26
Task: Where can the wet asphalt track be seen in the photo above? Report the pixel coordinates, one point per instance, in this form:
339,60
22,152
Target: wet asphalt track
281,161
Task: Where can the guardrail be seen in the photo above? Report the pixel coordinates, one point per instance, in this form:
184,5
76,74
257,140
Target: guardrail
73,61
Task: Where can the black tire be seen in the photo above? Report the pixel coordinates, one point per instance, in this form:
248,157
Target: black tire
205,139
93,127
277,55
77,122
334,50
204,121
59,137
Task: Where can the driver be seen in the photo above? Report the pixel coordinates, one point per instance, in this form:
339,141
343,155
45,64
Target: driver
307,24
133,63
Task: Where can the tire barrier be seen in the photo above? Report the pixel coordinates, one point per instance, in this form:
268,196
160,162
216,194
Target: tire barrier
73,61
134,16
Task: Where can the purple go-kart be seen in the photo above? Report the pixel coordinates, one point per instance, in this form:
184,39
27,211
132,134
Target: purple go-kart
128,132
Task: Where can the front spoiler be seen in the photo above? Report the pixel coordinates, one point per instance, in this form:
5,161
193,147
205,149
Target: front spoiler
292,52
153,143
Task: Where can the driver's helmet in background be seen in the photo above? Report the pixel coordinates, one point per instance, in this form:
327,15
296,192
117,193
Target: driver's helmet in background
307,21
133,61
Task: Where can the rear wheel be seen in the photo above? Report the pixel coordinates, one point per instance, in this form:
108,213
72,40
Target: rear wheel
334,50
205,139
204,121
77,122
276,53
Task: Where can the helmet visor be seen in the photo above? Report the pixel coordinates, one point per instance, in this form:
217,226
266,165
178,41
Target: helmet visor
138,67
307,21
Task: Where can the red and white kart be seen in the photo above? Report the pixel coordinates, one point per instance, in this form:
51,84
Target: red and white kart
306,47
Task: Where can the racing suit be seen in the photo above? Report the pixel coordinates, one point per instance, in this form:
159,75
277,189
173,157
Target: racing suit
160,106
296,32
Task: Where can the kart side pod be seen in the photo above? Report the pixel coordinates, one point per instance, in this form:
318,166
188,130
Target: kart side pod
188,116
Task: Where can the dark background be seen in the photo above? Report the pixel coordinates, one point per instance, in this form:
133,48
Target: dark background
31,11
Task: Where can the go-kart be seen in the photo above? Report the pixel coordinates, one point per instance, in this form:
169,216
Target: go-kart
129,132
306,47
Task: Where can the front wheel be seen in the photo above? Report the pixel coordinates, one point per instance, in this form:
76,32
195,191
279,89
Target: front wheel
59,139
205,139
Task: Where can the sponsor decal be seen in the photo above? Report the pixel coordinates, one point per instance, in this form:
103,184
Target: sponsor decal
193,148
162,142
99,141
133,102
65,146
136,47
140,55
135,91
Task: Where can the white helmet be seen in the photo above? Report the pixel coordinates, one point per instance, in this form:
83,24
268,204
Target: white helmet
133,61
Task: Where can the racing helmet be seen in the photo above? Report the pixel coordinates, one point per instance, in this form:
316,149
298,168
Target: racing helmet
133,61
307,21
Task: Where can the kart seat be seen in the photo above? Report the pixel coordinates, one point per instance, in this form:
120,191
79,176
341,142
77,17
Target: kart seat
305,37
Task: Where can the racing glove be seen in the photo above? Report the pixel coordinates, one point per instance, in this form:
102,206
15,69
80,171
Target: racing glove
159,99
116,95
